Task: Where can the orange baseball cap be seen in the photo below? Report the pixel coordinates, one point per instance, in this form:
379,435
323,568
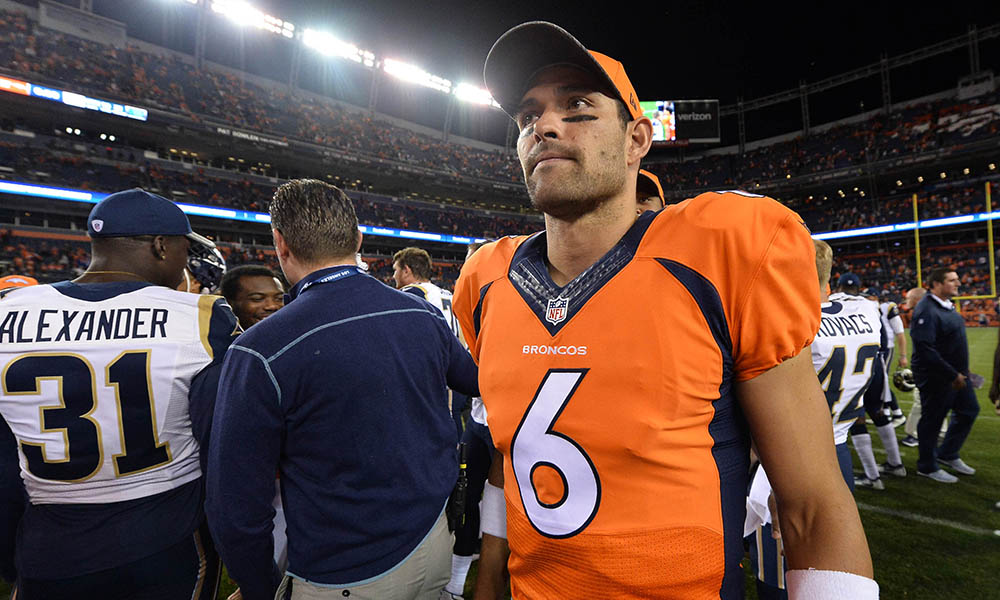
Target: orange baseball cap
13,281
645,179
518,55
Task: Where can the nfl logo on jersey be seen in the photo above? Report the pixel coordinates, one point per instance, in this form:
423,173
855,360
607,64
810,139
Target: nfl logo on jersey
556,312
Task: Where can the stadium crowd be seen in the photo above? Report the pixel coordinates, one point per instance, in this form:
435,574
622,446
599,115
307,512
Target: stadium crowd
49,260
169,83
62,162
97,167
917,128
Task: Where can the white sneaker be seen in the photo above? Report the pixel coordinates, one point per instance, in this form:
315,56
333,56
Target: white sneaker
940,475
446,595
874,484
958,466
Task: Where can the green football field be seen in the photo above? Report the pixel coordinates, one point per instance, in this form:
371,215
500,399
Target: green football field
928,540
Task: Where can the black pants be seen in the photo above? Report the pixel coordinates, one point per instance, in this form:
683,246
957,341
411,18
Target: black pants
479,447
188,570
935,402
875,394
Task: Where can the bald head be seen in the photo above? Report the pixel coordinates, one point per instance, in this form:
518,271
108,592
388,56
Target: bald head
913,296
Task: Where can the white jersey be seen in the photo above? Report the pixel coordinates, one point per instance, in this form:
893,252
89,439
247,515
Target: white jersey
439,297
843,354
95,388
892,323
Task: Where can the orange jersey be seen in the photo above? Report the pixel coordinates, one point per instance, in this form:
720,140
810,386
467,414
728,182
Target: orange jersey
611,398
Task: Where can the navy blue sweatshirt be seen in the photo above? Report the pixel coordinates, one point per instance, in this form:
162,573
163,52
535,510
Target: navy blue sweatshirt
343,393
940,350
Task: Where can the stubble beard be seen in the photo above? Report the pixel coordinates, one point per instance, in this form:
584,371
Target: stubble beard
576,192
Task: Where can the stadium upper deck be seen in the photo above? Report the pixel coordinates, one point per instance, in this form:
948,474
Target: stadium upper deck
166,82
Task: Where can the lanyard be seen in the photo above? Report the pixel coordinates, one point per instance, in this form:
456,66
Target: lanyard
343,274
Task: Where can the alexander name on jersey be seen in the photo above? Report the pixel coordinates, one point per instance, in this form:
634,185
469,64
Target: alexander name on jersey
48,325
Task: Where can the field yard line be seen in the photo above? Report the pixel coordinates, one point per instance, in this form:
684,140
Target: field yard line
902,514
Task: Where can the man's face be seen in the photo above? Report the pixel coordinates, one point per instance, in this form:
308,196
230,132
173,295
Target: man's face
402,274
949,287
257,298
644,202
572,143
913,297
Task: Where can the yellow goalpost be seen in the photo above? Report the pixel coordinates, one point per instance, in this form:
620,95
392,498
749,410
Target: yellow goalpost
989,249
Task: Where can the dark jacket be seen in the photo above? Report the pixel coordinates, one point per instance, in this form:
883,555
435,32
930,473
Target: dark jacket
343,391
940,350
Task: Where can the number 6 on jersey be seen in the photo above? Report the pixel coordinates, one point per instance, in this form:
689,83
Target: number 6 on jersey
536,444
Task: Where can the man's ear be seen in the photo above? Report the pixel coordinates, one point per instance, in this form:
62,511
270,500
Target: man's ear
360,237
159,247
640,138
280,246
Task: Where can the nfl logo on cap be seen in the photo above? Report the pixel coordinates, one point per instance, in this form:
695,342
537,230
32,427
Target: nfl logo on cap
557,309
97,224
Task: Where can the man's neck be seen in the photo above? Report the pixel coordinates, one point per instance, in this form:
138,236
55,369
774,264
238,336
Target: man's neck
573,246
301,271
101,271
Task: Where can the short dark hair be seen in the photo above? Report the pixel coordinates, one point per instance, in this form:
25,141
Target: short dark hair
938,274
316,219
231,280
417,259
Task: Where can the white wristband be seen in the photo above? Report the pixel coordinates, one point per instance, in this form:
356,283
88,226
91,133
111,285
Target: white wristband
814,584
493,512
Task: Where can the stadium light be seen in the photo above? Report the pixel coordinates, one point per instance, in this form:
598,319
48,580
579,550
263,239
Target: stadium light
415,74
472,93
326,44
242,13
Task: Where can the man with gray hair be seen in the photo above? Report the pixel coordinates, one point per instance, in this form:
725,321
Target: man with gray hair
343,394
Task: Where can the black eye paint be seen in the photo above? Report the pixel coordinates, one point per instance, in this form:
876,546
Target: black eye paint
530,129
578,118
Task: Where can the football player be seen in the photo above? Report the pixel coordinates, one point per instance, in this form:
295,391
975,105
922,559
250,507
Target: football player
411,270
892,323
95,381
848,287
620,423
844,355
648,193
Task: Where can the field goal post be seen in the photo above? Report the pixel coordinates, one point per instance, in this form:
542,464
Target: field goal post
989,251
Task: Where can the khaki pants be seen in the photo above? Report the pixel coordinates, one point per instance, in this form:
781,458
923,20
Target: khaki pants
421,576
